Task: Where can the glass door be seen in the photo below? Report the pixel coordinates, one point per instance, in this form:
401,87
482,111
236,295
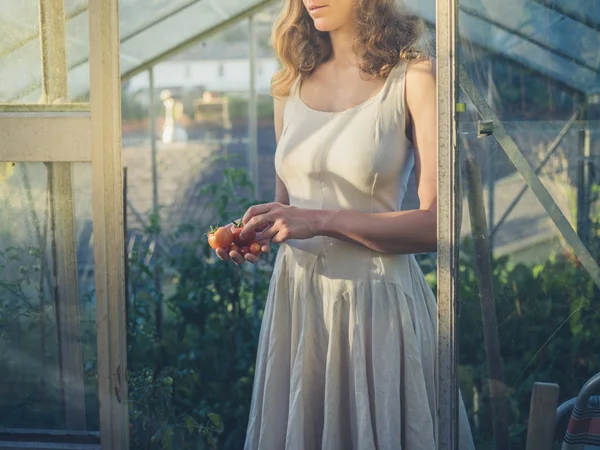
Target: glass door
519,190
62,336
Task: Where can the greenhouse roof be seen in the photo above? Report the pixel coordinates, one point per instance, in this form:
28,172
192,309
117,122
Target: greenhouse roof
151,30
557,38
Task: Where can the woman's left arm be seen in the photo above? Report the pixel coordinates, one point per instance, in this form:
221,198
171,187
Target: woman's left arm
412,231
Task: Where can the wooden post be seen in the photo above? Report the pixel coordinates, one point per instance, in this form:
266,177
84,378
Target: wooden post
54,90
107,198
483,269
542,416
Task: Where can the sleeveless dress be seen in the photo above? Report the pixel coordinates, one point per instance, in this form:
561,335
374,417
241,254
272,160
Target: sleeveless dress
347,350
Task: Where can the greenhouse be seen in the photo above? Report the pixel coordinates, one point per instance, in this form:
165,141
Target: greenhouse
129,127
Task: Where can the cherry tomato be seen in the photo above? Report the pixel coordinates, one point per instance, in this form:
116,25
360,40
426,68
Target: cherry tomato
255,248
234,248
220,238
244,250
236,235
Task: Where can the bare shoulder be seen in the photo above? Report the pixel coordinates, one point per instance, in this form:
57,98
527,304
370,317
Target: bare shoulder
279,105
420,83
420,74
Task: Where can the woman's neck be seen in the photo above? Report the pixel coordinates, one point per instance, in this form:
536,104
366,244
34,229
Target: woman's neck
342,42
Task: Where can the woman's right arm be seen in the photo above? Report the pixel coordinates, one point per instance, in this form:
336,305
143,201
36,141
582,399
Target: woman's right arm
281,193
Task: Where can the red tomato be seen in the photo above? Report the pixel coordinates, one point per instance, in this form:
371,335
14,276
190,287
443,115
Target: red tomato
244,250
255,248
220,238
236,235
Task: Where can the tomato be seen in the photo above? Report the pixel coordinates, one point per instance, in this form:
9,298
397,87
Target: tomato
220,238
244,250
234,248
255,248
236,235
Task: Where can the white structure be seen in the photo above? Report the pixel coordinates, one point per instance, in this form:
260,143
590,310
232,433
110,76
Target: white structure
215,75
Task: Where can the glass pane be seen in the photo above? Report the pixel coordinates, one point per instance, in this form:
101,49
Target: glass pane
18,23
82,176
539,304
75,6
549,31
47,348
135,15
20,57
78,51
20,50
577,9
165,24
211,314
177,28
496,40
533,21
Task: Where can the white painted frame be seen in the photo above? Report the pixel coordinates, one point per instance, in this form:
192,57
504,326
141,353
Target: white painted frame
59,134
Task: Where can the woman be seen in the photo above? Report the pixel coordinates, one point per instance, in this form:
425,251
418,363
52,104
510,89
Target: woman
346,357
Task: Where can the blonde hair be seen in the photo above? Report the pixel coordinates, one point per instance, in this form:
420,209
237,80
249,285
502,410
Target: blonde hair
386,34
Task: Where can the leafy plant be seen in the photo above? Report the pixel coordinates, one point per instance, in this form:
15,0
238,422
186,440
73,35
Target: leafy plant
548,320
190,384
203,363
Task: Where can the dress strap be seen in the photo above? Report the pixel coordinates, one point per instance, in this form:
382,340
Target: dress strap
290,104
395,85
393,102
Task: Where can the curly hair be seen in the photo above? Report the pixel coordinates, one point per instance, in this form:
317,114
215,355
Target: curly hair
386,35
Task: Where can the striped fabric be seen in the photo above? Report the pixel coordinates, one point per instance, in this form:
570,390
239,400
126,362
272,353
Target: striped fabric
583,432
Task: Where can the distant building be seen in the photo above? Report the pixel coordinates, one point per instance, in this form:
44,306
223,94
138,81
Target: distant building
212,66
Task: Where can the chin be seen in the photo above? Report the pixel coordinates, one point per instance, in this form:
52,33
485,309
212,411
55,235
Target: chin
323,25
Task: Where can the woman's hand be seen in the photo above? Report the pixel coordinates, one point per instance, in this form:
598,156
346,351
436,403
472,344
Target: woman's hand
237,257
280,222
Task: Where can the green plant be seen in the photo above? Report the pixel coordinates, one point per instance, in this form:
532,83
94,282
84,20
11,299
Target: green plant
548,319
190,385
209,334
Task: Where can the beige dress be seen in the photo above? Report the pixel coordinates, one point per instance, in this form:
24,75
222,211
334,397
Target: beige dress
347,351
